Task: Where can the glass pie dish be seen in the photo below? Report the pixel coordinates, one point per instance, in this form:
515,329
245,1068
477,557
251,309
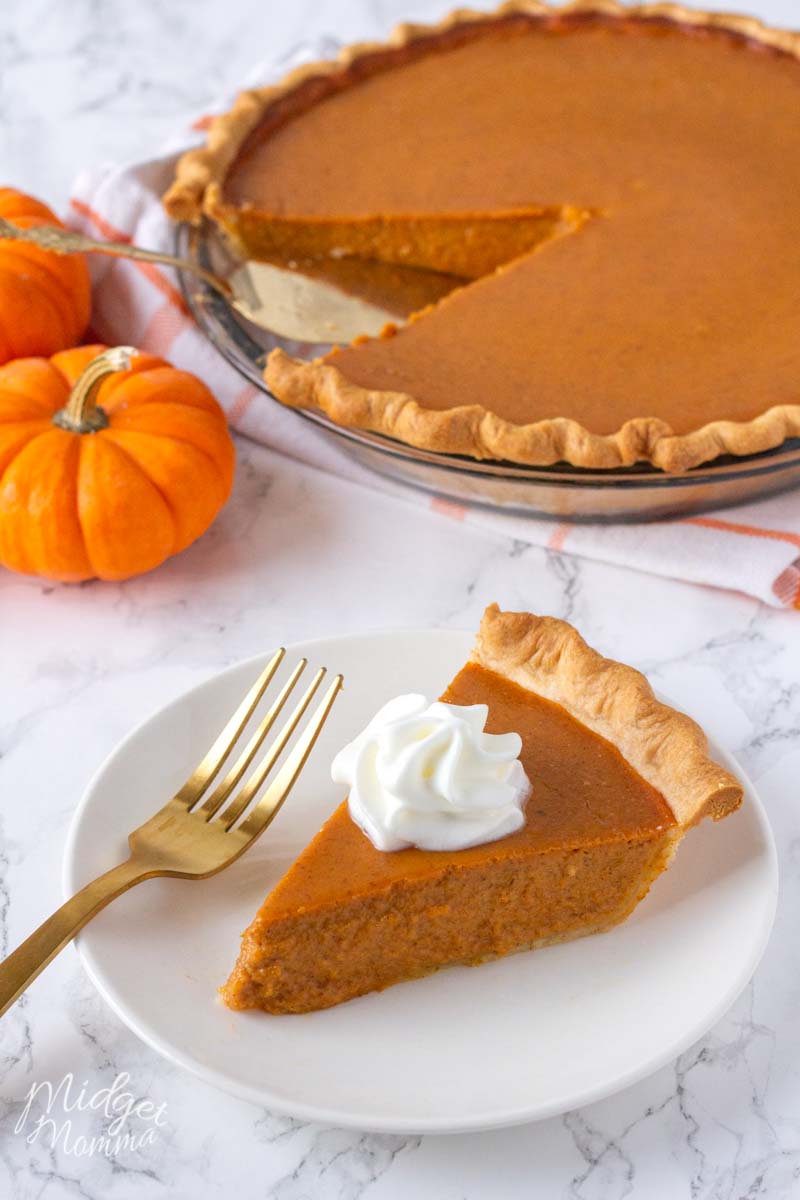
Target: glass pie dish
563,492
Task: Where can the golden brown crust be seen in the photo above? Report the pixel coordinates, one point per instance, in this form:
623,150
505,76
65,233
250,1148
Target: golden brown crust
199,173
479,433
469,430
666,747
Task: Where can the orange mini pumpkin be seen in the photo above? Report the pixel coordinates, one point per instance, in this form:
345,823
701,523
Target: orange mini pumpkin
110,461
45,298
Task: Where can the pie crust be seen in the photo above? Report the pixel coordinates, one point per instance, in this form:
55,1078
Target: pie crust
471,430
477,432
664,746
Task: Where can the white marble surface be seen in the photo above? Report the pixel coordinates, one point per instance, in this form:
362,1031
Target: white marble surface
296,554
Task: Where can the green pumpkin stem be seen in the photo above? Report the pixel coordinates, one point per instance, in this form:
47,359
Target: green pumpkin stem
81,413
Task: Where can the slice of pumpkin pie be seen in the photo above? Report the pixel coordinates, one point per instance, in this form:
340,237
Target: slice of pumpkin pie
535,803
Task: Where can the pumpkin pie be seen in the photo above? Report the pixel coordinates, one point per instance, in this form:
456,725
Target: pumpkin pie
617,778
619,187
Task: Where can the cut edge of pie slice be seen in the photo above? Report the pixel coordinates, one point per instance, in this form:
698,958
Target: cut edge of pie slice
347,919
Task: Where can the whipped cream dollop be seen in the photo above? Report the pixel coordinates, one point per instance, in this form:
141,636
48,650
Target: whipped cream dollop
427,775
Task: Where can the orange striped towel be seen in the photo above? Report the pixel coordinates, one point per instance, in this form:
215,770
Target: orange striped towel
754,548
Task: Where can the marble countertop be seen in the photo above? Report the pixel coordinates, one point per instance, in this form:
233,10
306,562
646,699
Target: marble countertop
297,554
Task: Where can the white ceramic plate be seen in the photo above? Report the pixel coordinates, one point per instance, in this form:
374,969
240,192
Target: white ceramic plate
469,1048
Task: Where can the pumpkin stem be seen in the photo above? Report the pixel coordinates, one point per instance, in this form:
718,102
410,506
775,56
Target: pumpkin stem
81,413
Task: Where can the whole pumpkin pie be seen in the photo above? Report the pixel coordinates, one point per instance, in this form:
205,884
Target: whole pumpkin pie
616,779
619,190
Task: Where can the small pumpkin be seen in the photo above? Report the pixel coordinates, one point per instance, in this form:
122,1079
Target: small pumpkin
45,298
110,462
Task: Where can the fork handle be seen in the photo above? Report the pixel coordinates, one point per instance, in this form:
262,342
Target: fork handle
24,964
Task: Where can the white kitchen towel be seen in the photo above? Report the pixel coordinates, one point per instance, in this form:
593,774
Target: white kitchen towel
754,548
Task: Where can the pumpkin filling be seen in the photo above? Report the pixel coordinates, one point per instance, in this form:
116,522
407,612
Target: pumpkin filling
462,244
676,303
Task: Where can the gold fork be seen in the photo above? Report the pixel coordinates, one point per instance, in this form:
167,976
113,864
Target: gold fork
191,837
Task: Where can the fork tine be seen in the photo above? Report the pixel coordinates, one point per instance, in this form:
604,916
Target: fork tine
223,789
258,820
237,806
206,770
